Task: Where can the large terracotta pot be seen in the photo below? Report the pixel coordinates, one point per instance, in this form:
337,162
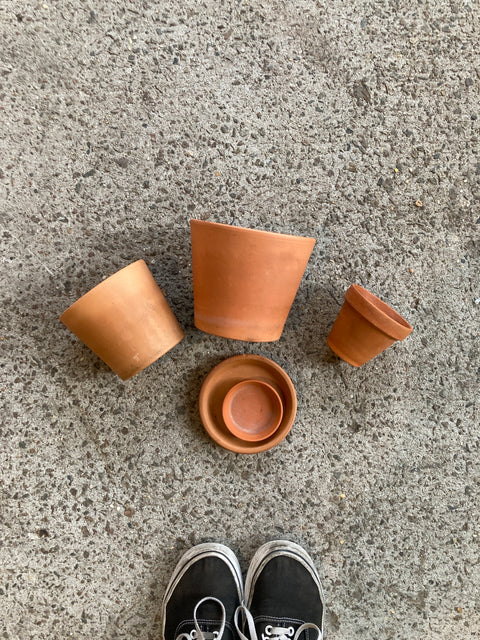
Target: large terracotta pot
365,327
125,320
245,280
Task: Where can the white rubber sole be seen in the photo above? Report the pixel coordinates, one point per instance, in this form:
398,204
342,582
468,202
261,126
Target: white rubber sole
198,552
275,548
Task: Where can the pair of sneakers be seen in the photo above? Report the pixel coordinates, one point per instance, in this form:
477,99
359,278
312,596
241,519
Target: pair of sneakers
206,600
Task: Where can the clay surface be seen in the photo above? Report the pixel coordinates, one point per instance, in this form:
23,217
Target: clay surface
356,123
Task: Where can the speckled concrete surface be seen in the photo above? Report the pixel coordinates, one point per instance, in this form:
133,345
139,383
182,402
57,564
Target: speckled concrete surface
354,122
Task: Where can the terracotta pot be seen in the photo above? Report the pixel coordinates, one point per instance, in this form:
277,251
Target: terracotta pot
252,410
245,280
227,375
125,320
365,327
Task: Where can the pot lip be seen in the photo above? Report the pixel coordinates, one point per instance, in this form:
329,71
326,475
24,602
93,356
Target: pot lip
230,424
379,313
248,231
238,445
98,287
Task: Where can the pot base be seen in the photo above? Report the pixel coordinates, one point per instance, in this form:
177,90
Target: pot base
341,354
153,358
245,334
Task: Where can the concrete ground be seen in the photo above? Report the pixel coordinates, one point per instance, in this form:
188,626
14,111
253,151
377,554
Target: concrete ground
356,123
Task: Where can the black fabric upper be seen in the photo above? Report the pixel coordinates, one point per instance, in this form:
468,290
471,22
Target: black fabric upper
284,595
207,576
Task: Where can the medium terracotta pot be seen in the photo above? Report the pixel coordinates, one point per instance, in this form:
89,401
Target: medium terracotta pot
125,320
245,280
227,375
365,327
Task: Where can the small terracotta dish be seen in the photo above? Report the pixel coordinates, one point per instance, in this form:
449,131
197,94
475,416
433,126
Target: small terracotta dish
365,326
125,320
225,377
252,410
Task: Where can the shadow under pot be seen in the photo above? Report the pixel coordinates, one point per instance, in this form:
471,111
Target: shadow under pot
245,280
125,320
365,327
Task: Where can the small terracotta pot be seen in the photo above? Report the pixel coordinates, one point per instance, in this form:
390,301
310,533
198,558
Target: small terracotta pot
365,327
125,320
245,280
227,375
252,410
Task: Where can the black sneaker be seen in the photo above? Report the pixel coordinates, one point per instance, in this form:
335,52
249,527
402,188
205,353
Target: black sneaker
283,595
203,593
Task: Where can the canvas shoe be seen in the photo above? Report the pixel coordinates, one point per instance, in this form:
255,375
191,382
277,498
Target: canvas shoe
283,596
203,593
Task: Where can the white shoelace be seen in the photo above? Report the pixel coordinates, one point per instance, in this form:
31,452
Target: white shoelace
197,633
272,633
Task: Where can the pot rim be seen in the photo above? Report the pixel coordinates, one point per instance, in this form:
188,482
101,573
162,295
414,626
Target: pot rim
95,289
379,313
247,230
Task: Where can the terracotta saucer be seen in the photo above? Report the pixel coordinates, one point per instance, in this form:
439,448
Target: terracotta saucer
252,410
229,373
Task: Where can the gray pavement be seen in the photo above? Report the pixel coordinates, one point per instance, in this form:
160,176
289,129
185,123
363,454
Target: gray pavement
356,123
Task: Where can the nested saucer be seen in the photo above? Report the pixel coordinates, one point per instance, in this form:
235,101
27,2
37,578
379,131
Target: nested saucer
229,373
